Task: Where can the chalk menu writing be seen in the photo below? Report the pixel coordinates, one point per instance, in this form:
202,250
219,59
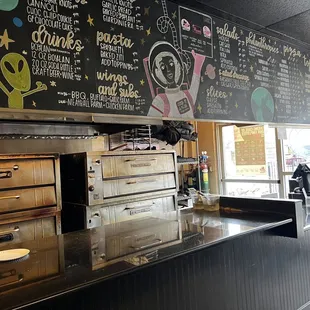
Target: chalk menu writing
55,49
146,58
118,55
233,70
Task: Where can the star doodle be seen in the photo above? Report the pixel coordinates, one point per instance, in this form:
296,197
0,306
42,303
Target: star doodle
87,40
199,108
5,40
174,15
236,105
142,41
53,83
147,11
90,21
34,104
148,31
142,82
86,77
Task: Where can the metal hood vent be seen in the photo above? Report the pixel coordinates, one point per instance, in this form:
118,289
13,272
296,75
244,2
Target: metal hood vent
48,131
65,126
62,131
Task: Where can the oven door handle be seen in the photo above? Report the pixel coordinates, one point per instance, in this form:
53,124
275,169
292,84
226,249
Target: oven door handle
9,231
10,197
140,159
20,278
141,181
7,173
138,208
7,274
156,242
15,167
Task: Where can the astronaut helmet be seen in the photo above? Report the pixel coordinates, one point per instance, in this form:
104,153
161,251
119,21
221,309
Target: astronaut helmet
166,66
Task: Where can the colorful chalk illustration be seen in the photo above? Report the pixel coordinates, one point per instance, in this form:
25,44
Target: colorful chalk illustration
167,65
210,72
15,70
8,5
167,70
262,105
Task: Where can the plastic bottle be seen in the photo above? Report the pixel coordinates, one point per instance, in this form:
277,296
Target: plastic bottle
204,172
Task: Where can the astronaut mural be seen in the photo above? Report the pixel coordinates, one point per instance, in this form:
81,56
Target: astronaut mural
167,67
168,70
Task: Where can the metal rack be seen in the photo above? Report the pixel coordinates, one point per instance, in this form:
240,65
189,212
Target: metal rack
136,136
182,164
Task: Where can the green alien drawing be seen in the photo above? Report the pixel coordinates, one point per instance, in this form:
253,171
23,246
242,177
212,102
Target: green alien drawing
15,70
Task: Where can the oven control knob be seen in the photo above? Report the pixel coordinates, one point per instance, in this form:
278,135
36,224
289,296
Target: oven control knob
97,161
91,188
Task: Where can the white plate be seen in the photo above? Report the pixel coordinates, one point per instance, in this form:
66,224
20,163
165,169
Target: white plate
8,255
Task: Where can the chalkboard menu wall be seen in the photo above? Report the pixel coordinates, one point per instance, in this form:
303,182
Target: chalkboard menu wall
147,58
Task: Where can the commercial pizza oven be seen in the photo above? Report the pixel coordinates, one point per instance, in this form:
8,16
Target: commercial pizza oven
30,199
100,188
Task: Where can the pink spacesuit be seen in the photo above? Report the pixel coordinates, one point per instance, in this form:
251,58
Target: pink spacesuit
175,102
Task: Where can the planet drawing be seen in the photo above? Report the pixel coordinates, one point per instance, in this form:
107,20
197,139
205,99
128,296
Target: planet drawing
8,5
17,22
262,105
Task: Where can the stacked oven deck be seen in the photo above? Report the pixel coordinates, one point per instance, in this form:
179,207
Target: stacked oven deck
100,188
30,199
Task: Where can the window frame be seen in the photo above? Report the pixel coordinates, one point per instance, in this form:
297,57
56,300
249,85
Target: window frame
285,173
221,165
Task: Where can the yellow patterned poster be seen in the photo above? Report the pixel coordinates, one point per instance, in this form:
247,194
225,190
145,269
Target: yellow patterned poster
250,150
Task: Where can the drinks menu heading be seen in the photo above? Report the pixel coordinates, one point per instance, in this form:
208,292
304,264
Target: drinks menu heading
147,58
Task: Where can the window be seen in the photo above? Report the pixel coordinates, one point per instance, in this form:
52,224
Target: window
249,161
255,163
295,150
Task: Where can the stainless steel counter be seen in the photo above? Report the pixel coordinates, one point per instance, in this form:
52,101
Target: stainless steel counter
23,283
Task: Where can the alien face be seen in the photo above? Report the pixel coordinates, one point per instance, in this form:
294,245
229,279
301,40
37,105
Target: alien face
16,71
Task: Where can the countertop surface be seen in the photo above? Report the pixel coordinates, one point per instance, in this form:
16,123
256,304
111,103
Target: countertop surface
64,263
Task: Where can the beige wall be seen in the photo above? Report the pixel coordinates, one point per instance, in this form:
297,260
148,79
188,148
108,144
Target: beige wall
207,142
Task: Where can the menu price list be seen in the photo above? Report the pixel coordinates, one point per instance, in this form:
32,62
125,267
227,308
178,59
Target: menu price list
55,47
233,70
